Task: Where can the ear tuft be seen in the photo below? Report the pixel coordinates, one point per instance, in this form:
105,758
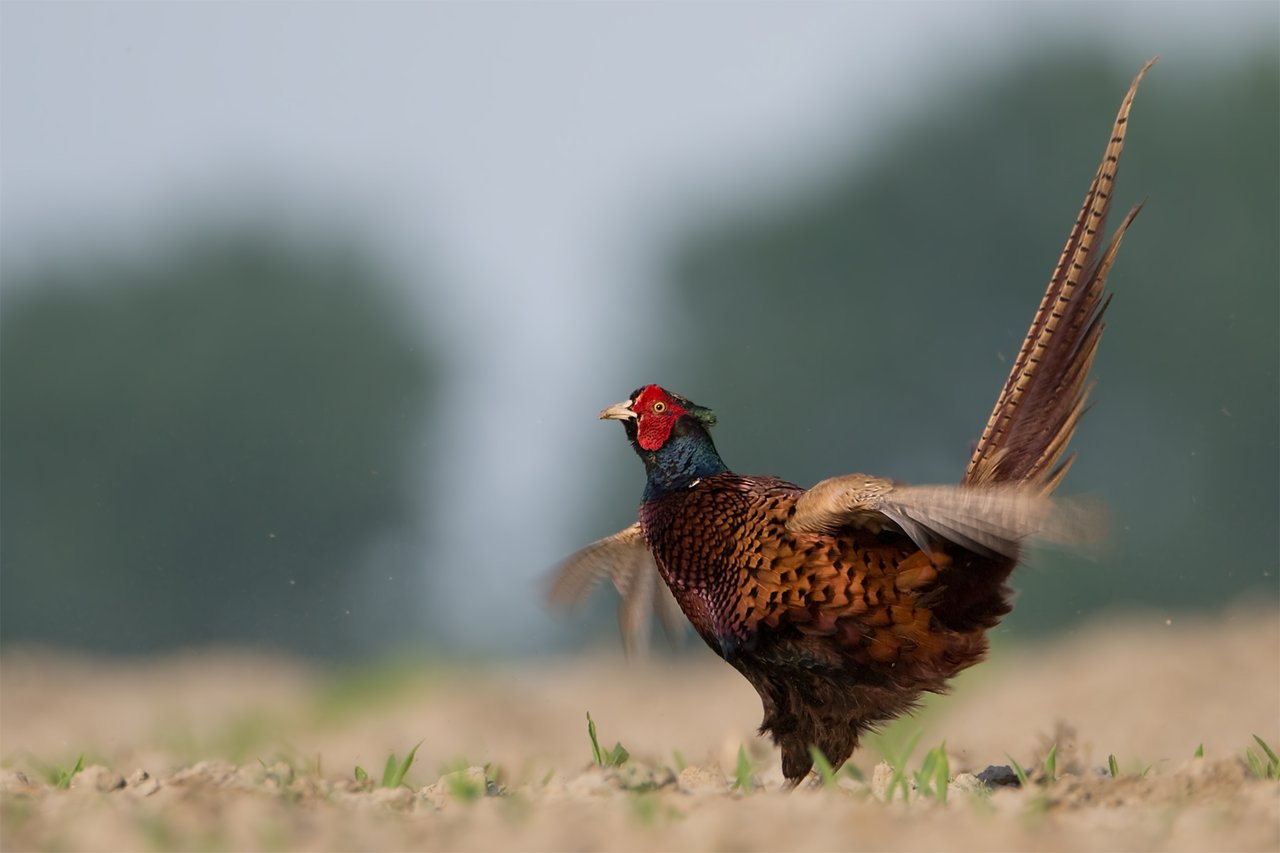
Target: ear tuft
702,415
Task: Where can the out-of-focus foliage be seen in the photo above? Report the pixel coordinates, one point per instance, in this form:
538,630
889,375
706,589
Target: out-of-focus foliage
203,444
867,323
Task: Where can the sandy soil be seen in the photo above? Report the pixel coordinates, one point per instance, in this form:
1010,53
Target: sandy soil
228,751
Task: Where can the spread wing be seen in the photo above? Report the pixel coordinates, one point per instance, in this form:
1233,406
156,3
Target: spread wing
625,559
988,519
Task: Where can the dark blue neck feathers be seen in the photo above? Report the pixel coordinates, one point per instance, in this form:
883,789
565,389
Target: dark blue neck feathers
687,456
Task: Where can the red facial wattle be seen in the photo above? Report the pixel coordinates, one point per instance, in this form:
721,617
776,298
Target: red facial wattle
656,414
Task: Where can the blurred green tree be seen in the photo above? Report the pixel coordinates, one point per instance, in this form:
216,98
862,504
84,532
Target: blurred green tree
866,322
204,444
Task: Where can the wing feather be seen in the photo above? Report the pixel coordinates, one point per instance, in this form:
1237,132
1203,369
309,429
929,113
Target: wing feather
986,519
625,559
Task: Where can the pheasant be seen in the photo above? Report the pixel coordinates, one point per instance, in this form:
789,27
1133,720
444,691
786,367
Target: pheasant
843,603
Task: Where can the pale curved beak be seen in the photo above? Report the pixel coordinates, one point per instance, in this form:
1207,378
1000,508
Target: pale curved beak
618,412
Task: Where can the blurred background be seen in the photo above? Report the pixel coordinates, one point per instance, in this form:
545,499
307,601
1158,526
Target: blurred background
307,310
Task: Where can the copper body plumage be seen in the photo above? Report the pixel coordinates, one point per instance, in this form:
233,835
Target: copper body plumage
844,602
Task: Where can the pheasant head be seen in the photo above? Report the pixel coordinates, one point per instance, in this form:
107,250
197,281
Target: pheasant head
670,434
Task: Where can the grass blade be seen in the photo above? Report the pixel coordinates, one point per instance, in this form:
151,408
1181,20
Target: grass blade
1018,771
1199,753
617,756
595,743
402,770
899,776
942,777
742,774
62,779
393,772
934,774
1255,764
1271,755
820,763
1113,766
1051,765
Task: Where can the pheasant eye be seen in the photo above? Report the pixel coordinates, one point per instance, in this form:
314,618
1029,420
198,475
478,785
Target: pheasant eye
659,407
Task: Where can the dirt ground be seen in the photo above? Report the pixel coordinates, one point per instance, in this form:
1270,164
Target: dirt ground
231,751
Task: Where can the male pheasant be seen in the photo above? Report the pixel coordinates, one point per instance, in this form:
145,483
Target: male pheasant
843,603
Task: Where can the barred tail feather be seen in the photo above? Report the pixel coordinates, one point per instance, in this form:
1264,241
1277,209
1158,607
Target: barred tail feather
1045,394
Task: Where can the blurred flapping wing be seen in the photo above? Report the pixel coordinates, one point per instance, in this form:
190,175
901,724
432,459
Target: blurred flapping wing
994,519
625,559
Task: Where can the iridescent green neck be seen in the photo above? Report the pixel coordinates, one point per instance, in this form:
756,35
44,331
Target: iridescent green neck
687,456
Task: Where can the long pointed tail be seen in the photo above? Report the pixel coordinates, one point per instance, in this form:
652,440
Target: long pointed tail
1045,394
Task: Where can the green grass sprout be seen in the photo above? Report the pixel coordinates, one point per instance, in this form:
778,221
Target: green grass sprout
1270,769
394,771
1199,753
615,757
61,779
742,775
820,763
1051,765
595,742
1018,771
1113,766
934,774
463,787
899,765
1038,803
